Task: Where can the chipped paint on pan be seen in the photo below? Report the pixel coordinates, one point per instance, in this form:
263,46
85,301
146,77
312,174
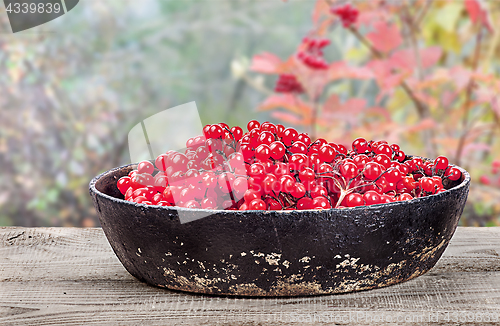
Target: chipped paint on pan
307,252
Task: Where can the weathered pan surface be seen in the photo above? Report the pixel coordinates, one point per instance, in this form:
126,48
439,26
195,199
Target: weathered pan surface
278,253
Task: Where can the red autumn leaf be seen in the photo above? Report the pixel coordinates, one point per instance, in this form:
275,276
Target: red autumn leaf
495,105
378,111
448,98
460,77
381,68
385,37
478,13
369,15
331,104
387,80
286,101
474,148
288,118
340,70
321,7
405,59
324,26
267,63
424,124
347,111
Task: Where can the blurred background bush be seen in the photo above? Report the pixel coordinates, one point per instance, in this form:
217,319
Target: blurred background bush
72,89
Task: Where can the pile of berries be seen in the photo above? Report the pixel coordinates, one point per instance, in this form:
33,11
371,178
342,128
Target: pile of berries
347,14
271,167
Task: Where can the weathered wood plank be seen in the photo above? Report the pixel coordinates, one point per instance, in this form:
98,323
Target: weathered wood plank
70,276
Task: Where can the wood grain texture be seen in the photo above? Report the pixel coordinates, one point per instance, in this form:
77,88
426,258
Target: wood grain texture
70,276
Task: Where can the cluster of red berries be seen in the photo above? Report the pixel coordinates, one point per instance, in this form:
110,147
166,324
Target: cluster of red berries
494,178
288,83
347,14
312,55
271,167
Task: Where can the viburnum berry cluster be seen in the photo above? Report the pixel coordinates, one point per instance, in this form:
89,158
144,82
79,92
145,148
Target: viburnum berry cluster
312,56
347,14
494,178
288,83
271,167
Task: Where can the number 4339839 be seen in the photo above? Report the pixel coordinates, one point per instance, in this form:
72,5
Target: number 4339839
41,8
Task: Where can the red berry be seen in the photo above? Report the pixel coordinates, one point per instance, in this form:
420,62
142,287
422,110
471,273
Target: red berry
307,174
171,194
257,171
327,153
273,204
262,152
348,170
441,162
298,147
360,160
315,161
251,195
320,203
277,150
140,180
453,174
253,124
427,184
158,197
270,184
145,167
240,186
225,182
123,184
287,183
237,133
404,197
140,200
224,125
372,170
268,126
341,149
319,191
383,160
161,162
298,161
192,204
289,135
383,149
160,183
257,204
354,200
298,190
304,203
304,138
400,156
372,198
266,137
393,175
215,132
128,193
360,145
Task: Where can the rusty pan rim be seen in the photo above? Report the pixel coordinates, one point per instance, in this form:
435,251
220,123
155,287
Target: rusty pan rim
92,186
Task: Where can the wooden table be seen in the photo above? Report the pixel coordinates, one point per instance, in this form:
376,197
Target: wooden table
70,276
